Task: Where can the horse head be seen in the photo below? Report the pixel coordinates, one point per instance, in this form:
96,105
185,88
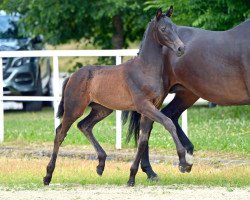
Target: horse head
165,32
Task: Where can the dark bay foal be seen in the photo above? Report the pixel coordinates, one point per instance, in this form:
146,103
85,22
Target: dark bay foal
136,85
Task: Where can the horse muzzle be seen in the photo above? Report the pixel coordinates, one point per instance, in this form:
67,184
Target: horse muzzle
180,51
179,47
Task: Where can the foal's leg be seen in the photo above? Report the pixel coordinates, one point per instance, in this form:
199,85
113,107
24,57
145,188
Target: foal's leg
61,133
97,114
182,100
147,109
145,164
145,127
75,103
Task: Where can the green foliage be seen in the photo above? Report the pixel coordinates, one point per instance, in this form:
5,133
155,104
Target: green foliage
212,14
115,23
62,21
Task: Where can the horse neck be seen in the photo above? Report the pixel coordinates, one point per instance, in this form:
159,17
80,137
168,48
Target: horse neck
151,51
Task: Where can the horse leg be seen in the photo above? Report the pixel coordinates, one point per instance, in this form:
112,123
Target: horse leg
74,106
145,127
182,100
147,109
61,133
97,114
145,164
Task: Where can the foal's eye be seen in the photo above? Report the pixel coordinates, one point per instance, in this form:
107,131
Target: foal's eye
163,28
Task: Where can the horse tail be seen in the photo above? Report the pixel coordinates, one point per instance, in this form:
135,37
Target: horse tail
61,107
134,124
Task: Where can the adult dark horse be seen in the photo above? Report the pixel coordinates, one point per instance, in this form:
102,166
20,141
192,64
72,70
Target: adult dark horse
135,85
215,67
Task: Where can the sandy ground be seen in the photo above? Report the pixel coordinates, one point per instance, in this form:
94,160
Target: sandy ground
96,192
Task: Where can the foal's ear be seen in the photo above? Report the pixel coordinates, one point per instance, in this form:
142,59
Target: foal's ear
170,11
158,14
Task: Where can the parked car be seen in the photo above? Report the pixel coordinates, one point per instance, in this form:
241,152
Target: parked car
23,76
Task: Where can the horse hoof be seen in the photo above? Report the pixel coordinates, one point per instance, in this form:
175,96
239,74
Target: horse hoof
185,168
131,183
189,168
46,180
99,170
154,178
182,169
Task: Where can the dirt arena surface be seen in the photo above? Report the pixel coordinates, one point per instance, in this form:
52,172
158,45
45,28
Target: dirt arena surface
109,192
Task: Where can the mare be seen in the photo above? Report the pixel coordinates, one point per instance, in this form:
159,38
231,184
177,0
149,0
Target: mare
136,85
215,67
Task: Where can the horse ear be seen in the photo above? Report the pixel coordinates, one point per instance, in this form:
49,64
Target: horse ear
170,11
158,13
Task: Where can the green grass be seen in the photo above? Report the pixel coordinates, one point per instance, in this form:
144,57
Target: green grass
221,129
28,173
225,129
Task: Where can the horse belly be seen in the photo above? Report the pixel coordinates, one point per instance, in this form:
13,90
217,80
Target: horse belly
231,94
112,94
224,88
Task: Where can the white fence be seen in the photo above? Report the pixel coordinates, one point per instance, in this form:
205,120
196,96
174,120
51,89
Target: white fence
55,54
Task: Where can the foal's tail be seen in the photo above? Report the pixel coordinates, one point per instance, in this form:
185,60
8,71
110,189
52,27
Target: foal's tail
61,107
134,124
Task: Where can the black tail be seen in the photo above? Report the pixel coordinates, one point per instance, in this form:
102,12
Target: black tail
134,124
61,107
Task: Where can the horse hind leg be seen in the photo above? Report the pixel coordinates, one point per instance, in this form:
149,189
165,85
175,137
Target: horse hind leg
71,113
61,133
97,114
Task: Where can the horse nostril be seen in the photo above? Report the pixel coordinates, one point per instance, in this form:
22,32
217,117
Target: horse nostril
181,49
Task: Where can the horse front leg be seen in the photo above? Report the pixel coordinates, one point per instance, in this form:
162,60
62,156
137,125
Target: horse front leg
146,108
145,164
145,127
182,100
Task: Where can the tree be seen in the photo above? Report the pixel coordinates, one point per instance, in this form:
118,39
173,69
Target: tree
212,14
115,23
106,23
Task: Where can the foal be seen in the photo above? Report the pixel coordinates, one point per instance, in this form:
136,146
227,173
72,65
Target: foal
136,85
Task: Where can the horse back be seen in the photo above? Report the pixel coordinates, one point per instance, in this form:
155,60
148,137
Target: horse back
217,61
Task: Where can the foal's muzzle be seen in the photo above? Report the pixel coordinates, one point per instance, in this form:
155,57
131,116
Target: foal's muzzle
180,47
180,51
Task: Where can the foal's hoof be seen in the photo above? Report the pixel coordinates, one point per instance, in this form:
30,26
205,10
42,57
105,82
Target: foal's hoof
189,168
154,178
185,168
182,169
99,170
46,180
131,183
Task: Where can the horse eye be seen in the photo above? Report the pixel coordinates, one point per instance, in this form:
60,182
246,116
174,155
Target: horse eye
163,28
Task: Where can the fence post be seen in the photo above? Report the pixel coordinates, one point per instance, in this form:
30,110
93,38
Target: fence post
184,122
118,143
56,89
1,103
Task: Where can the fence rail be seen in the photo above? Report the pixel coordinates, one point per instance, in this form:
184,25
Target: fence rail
55,54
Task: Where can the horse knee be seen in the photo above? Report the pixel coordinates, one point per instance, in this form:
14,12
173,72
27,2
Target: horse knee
83,127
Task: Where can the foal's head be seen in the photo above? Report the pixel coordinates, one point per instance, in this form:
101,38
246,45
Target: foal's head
165,32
